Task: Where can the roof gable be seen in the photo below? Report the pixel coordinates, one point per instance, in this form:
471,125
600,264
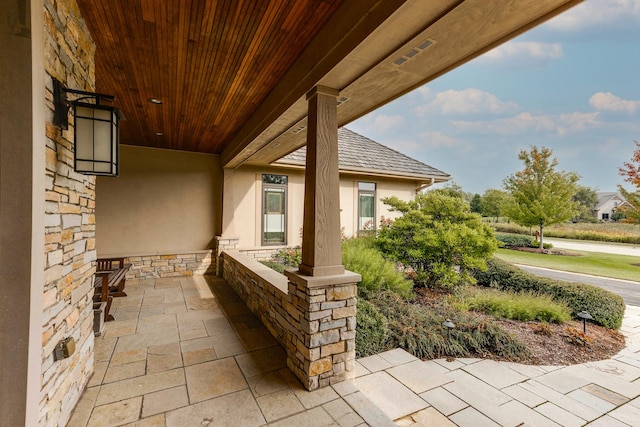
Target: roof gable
358,153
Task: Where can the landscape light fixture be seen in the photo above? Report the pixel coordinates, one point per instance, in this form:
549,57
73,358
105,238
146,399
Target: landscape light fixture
584,315
95,129
449,325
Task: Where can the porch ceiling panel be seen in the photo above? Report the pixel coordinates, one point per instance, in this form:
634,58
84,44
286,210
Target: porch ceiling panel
233,74
210,62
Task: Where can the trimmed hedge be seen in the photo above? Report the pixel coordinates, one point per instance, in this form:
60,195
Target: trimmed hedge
372,332
606,307
519,240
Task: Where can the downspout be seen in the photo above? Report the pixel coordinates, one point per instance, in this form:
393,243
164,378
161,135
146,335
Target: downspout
425,185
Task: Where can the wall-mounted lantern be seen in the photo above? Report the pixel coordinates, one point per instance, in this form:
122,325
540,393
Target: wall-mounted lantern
95,129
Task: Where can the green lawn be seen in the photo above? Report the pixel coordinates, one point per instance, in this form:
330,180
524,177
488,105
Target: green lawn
595,263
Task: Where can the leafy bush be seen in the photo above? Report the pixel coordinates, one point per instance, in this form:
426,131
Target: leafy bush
518,306
418,329
372,332
514,240
438,237
519,241
606,307
289,257
378,273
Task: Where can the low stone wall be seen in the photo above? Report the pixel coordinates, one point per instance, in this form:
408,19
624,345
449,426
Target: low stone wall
313,318
171,265
262,289
262,254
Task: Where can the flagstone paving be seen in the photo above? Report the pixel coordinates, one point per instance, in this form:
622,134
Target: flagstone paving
187,352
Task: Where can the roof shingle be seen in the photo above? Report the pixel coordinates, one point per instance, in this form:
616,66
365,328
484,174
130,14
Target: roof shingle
359,153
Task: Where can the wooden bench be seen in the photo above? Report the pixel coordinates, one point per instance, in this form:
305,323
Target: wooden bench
110,278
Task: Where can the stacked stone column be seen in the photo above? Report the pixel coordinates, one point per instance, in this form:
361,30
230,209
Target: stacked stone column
321,344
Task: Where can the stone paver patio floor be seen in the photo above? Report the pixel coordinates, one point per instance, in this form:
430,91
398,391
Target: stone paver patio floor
187,352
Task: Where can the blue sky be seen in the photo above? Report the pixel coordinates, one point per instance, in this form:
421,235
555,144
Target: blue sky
571,85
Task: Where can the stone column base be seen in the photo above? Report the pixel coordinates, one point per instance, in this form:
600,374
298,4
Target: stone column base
321,348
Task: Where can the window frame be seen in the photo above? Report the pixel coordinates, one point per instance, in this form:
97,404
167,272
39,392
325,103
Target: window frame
279,185
362,190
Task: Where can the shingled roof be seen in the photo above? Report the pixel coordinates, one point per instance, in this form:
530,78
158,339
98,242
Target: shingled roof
360,154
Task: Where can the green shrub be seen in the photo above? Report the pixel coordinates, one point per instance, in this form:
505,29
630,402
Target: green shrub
378,273
289,257
518,306
437,236
514,240
372,332
519,240
606,307
418,329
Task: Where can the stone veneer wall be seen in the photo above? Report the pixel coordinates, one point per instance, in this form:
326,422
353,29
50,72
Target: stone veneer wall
173,265
316,325
70,223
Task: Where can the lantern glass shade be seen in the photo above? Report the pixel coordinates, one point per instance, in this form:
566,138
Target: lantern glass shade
96,139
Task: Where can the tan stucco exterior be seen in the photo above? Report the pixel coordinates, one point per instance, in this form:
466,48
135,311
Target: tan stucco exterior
163,202
248,202
180,194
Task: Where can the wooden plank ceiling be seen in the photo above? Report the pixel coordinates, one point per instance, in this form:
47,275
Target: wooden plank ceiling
232,74
211,63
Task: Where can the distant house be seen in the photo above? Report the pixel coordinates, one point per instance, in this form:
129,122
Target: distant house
269,215
608,204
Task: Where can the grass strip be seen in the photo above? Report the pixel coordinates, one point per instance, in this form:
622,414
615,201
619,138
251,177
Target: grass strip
594,263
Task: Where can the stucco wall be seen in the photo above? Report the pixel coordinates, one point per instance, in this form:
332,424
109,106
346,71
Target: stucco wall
163,202
247,184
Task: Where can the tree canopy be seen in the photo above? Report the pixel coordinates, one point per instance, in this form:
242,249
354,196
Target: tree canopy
631,173
541,195
587,199
494,202
438,237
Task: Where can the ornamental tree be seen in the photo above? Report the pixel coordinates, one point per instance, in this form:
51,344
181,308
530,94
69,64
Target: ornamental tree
631,173
541,195
438,237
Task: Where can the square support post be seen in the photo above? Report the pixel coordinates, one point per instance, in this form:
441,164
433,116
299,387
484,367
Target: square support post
321,239
228,240
321,305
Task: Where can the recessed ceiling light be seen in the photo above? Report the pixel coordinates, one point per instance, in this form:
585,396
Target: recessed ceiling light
155,101
159,133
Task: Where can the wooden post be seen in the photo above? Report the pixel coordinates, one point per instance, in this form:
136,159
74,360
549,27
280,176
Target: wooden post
321,244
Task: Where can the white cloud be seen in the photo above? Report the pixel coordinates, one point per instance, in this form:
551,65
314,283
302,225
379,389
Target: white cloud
383,123
597,13
467,101
606,101
523,54
437,139
560,124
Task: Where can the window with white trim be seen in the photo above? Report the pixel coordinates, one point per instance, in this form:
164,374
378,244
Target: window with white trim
274,209
366,207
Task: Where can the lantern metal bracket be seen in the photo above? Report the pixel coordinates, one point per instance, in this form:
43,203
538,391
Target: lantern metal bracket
62,104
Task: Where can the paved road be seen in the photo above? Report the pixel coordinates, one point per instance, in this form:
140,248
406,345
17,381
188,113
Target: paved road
607,248
629,291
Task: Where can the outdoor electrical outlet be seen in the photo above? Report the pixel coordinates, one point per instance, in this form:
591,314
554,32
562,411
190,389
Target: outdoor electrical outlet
64,349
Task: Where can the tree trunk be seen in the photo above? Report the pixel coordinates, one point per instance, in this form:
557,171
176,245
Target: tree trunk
541,246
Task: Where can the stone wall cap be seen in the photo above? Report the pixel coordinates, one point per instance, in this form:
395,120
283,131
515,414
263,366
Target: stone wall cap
147,254
347,278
